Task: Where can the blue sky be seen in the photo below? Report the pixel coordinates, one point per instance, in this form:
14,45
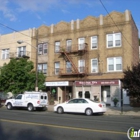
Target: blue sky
24,14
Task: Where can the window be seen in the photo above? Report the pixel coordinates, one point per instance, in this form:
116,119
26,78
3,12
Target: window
69,44
57,67
113,40
81,43
21,51
5,53
42,48
94,42
94,65
68,67
81,66
87,94
42,68
114,64
80,94
57,47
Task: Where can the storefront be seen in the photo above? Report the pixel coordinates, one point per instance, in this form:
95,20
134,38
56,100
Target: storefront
59,91
102,90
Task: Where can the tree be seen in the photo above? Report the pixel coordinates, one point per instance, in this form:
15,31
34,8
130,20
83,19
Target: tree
131,81
18,76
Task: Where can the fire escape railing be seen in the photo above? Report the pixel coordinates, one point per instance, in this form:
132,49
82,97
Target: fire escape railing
81,49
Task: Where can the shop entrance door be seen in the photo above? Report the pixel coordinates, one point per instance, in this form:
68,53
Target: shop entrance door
105,94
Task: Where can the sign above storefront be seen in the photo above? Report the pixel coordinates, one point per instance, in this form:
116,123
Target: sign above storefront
97,82
61,83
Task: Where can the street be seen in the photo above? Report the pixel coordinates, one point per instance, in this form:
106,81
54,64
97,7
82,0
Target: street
44,125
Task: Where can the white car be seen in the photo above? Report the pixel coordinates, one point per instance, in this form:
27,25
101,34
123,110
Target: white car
81,105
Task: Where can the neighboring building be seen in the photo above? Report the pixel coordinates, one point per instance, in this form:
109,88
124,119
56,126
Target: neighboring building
86,58
10,48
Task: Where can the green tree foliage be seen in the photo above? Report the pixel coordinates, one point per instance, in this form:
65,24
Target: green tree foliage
131,81
18,76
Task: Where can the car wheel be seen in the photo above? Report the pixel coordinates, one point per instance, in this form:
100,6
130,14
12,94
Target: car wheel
60,110
88,112
30,107
9,106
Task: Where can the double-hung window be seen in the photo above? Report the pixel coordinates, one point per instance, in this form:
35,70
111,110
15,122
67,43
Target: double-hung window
68,67
81,64
114,64
94,42
81,43
21,51
57,47
94,65
42,68
69,45
42,48
5,54
114,40
57,68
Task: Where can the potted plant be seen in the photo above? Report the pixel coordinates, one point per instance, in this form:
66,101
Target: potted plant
115,100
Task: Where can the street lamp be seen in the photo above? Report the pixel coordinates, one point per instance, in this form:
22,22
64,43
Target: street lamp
20,42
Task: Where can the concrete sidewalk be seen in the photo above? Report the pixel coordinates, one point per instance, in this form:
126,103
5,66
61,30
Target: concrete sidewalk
126,110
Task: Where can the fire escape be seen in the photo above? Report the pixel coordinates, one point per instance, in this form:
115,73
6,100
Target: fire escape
79,51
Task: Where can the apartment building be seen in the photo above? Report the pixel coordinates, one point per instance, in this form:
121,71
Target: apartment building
86,58
82,58
17,45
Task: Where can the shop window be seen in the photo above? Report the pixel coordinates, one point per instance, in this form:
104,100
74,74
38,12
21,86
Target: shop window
87,94
54,93
80,94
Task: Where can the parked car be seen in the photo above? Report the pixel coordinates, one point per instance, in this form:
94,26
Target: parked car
30,99
81,105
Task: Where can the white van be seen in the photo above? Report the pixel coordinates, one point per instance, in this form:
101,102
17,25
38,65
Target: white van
30,99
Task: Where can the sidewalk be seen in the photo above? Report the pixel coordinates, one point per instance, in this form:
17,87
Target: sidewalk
126,110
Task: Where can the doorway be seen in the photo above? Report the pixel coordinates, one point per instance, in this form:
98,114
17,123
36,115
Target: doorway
105,94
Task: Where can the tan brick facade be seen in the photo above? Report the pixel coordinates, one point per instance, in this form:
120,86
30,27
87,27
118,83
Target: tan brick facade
9,42
107,62
100,26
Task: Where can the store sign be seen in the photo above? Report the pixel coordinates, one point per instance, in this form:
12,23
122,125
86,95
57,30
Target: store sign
98,82
62,83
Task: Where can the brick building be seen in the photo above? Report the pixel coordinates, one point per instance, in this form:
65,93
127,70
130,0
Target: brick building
10,48
82,58
86,58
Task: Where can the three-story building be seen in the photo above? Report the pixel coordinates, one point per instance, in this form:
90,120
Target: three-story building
86,58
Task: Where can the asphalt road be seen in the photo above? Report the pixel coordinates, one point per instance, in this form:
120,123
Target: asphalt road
44,125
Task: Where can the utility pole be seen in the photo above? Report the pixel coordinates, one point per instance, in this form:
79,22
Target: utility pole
36,82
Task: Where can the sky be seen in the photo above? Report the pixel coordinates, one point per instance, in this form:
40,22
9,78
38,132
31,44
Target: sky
18,15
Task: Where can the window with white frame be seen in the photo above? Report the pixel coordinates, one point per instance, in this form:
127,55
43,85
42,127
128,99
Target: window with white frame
21,51
114,64
114,40
94,42
57,47
68,67
81,64
69,45
81,43
42,68
94,65
57,68
5,54
42,48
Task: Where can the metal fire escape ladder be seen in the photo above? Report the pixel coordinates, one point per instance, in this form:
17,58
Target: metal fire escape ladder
73,65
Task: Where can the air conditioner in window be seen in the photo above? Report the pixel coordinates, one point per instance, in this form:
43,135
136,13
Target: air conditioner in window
93,70
39,53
